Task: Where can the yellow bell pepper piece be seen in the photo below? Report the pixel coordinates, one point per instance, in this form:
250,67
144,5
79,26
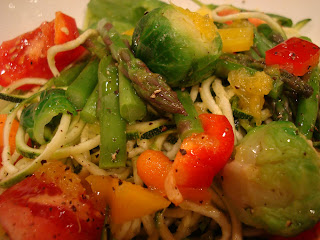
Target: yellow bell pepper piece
236,39
251,90
127,201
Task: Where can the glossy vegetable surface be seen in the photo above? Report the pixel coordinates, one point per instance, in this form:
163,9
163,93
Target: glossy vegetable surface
127,201
46,206
274,183
27,54
186,47
295,55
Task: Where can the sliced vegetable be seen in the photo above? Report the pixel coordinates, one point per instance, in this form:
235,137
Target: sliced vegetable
308,108
81,88
153,167
132,108
251,90
187,125
203,155
45,205
236,39
150,86
127,201
295,55
39,119
112,126
89,111
67,76
148,130
13,132
178,44
27,54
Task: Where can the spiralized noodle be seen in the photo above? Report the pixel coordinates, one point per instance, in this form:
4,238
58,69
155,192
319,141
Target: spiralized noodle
54,50
245,15
77,141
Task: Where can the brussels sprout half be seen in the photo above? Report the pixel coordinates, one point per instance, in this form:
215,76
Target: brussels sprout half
178,44
274,180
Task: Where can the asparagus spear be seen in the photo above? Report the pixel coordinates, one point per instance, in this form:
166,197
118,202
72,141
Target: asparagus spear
132,108
81,88
112,127
89,111
227,63
190,123
67,76
150,86
308,107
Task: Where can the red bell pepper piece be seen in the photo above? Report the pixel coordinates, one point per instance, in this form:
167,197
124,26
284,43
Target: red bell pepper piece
295,55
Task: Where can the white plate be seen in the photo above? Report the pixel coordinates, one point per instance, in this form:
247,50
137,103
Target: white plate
19,16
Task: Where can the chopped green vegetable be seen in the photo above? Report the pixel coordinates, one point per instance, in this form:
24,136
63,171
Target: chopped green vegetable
112,127
43,116
81,88
132,108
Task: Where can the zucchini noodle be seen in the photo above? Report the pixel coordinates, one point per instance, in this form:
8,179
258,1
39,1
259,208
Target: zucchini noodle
77,143
54,50
245,15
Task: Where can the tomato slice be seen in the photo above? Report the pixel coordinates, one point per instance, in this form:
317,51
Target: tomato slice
26,55
295,55
52,204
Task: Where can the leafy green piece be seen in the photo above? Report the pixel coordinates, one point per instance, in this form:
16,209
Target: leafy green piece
122,14
40,119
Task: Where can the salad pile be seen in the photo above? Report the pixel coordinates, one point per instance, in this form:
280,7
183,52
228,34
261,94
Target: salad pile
156,122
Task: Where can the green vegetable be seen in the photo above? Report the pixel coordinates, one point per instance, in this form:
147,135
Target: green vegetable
39,118
123,14
229,62
178,44
308,107
89,111
282,111
132,108
96,47
261,43
112,127
81,88
67,76
190,123
11,98
237,112
283,21
274,183
148,130
299,25
150,86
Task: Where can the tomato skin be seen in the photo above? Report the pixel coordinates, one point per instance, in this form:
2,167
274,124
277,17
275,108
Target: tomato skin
295,55
26,55
37,209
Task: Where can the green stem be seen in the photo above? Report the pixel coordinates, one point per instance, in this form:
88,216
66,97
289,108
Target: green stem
308,107
150,86
132,108
112,127
81,88
190,123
